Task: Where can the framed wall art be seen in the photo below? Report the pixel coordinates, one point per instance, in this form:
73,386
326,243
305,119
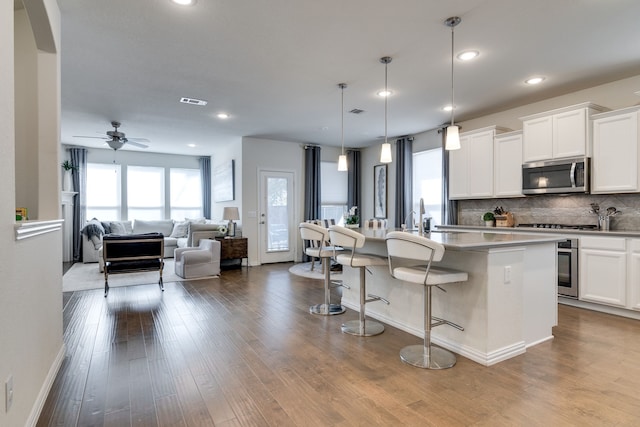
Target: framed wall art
224,182
380,191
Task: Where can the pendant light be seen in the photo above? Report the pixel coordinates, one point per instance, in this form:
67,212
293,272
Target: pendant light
452,141
342,160
385,152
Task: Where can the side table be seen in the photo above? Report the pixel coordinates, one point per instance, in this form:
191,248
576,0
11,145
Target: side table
232,251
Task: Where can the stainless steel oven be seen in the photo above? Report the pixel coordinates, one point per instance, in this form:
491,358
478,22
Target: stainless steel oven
568,268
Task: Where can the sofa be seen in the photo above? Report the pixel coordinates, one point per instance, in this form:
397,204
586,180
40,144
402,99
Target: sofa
177,234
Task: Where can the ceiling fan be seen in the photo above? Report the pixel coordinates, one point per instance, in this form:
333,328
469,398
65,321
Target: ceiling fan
116,139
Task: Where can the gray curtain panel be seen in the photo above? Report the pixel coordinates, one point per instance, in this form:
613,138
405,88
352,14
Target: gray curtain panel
205,178
449,207
312,182
353,180
404,177
79,176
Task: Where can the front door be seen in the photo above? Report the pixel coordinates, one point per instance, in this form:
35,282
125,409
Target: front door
277,227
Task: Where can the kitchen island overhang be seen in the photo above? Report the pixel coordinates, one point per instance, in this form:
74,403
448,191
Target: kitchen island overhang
509,302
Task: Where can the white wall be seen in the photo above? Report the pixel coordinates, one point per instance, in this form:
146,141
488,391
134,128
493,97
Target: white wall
262,154
30,298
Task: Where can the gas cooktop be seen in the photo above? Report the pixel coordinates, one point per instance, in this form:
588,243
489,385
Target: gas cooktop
562,226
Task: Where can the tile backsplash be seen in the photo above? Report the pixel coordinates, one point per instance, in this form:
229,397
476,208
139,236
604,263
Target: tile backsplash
554,209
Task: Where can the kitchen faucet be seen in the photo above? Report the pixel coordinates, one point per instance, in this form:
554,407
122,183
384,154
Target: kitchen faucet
405,220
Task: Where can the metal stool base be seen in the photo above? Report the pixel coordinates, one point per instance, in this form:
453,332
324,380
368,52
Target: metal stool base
415,355
352,327
327,310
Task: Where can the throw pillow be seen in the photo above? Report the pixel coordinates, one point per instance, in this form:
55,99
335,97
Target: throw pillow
107,226
121,227
201,220
180,229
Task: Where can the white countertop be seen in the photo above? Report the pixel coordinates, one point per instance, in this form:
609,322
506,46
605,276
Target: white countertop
456,240
565,231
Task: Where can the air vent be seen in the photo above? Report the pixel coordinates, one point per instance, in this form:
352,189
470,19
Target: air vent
193,101
356,111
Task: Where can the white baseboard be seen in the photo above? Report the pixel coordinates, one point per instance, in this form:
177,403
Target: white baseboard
46,387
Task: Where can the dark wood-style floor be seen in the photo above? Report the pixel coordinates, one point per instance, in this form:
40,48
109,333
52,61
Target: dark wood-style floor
243,350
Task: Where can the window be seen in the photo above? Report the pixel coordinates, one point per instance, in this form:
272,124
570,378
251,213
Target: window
427,184
334,192
145,192
186,194
103,191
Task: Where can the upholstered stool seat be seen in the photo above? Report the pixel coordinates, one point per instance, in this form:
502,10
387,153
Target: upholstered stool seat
317,238
351,240
410,260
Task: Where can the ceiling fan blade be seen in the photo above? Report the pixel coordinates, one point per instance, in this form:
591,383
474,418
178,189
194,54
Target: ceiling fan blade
136,144
85,136
138,139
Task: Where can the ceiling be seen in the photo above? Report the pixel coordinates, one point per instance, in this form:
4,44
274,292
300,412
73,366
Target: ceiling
274,65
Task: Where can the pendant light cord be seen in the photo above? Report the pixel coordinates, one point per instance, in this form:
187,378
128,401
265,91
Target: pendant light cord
342,86
452,86
386,97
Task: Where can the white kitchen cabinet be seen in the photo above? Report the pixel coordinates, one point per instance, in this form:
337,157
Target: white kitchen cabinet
508,164
558,133
471,168
633,288
603,270
615,151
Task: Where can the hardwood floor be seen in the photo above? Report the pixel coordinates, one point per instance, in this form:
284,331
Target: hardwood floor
243,350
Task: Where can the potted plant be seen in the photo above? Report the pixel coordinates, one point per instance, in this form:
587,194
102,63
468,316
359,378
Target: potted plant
488,219
66,179
352,220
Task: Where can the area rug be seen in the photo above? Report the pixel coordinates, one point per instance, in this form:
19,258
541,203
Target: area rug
81,277
304,269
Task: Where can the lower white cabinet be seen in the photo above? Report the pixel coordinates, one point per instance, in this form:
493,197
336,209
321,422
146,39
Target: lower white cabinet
603,270
634,274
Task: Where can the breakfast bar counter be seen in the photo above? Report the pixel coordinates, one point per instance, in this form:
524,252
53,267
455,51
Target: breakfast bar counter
509,302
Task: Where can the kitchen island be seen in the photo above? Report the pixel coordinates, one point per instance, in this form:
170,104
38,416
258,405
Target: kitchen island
508,304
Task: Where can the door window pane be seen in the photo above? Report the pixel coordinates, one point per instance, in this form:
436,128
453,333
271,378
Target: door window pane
277,218
103,191
427,184
186,194
145,192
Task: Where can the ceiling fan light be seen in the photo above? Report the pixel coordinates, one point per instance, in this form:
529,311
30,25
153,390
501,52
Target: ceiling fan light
452,141
385,153
342,163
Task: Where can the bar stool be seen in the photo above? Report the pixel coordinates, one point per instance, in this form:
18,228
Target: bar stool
352,240
402,246
317,236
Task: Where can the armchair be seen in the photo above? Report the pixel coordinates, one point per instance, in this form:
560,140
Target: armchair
200,261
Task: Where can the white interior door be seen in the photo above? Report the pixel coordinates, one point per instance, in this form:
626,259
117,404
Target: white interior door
276,222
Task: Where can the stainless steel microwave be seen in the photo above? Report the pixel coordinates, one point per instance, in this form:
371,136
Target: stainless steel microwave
556,176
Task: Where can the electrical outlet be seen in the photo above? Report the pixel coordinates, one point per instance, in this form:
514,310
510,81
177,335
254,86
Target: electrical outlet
8,393
507,274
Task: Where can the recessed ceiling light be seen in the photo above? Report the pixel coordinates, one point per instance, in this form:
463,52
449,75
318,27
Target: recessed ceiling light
447,108
223,116
191,145
184,2
468,55
534,80
384,93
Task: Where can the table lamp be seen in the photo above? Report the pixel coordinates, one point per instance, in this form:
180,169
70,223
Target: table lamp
231,214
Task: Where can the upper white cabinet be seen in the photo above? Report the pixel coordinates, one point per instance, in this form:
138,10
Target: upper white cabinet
508,164
558,133
615,151
472,166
